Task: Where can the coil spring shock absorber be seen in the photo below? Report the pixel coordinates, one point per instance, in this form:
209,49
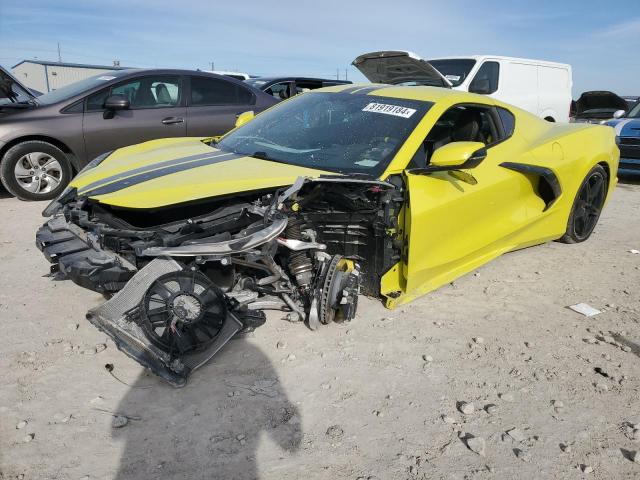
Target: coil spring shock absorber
299,262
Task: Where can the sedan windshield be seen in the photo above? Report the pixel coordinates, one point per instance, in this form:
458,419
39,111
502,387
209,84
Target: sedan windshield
634,112
345,133
73,89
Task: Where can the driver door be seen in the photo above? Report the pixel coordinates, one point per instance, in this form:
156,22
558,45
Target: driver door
156,111
453,226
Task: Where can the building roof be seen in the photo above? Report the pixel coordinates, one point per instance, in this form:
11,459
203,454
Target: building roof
66,64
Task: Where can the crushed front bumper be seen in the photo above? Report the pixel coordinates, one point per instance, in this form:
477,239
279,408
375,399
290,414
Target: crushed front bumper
76,255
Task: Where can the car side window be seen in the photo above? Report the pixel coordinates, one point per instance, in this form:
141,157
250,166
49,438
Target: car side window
508,120
281,90
214,91
95,102
487,78
460,123
159,91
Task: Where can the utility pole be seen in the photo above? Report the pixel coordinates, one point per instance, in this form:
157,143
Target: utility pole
212,67
337,74
59,56
346,74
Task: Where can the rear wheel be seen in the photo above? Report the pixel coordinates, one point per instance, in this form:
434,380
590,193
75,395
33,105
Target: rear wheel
35,170
587,206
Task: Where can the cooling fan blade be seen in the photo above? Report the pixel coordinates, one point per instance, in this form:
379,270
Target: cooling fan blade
182,312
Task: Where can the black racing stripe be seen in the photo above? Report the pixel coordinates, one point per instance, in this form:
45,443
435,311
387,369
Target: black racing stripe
362,90
351,89
144,177
367,90
148,168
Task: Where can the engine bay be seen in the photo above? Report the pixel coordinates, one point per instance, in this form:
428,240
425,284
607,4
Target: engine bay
186,279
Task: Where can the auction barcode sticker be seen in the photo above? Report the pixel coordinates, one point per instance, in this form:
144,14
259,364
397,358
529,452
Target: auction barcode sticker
388,109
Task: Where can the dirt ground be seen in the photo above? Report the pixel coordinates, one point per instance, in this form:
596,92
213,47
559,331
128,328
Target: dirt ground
378,398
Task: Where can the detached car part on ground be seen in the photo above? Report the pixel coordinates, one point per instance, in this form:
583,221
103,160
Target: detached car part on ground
389,192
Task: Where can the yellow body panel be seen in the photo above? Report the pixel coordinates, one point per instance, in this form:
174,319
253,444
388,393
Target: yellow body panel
449,227
227,177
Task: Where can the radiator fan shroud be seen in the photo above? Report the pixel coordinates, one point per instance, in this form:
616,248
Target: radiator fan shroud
183,312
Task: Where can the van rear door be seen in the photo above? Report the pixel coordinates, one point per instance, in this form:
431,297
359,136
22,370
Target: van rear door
396,67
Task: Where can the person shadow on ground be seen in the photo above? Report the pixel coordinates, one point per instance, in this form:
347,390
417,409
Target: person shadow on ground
212,427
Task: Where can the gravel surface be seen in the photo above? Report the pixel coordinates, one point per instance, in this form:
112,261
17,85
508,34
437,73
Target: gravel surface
546,392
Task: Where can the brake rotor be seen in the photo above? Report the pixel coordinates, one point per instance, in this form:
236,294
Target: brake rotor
339,296
182,312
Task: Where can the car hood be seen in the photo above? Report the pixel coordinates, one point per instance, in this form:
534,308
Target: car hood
626,127
9,83
397,66
167,172
599,102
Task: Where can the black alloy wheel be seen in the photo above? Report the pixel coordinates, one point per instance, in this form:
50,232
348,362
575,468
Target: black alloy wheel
587,206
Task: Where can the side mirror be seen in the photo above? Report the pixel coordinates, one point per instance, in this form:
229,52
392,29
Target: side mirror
481,86
116,102
619,113
113,103
244,117
457,155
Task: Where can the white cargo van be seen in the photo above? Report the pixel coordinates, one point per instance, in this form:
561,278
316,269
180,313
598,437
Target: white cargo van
540,87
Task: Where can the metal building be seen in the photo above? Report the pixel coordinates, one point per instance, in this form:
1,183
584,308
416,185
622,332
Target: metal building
46,76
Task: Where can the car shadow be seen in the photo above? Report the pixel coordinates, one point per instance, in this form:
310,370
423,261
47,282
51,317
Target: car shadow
213,426
635,348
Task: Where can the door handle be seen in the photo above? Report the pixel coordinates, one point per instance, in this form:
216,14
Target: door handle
172,120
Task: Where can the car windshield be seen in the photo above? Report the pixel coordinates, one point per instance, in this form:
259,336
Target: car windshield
455,70
73,89
330,131
634,112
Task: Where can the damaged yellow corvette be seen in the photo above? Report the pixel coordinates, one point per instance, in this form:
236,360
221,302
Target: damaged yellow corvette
381,190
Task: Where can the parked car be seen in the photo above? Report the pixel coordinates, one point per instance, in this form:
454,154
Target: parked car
285,87
537,86
387,191
631,101
627,130
597,106
45,140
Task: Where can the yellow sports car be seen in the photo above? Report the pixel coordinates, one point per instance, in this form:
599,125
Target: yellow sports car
386,191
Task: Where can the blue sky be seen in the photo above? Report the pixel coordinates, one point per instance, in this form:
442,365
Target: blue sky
600,39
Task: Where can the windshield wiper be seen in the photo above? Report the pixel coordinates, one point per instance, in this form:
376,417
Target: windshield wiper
262,155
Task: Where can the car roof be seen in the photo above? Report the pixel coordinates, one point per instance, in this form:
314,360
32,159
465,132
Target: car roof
285,79
175,71
502,57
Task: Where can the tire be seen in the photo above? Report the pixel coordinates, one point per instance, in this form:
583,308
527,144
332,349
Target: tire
587,206
35,170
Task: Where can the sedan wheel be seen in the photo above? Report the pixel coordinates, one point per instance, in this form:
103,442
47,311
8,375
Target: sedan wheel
38,172
35,170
